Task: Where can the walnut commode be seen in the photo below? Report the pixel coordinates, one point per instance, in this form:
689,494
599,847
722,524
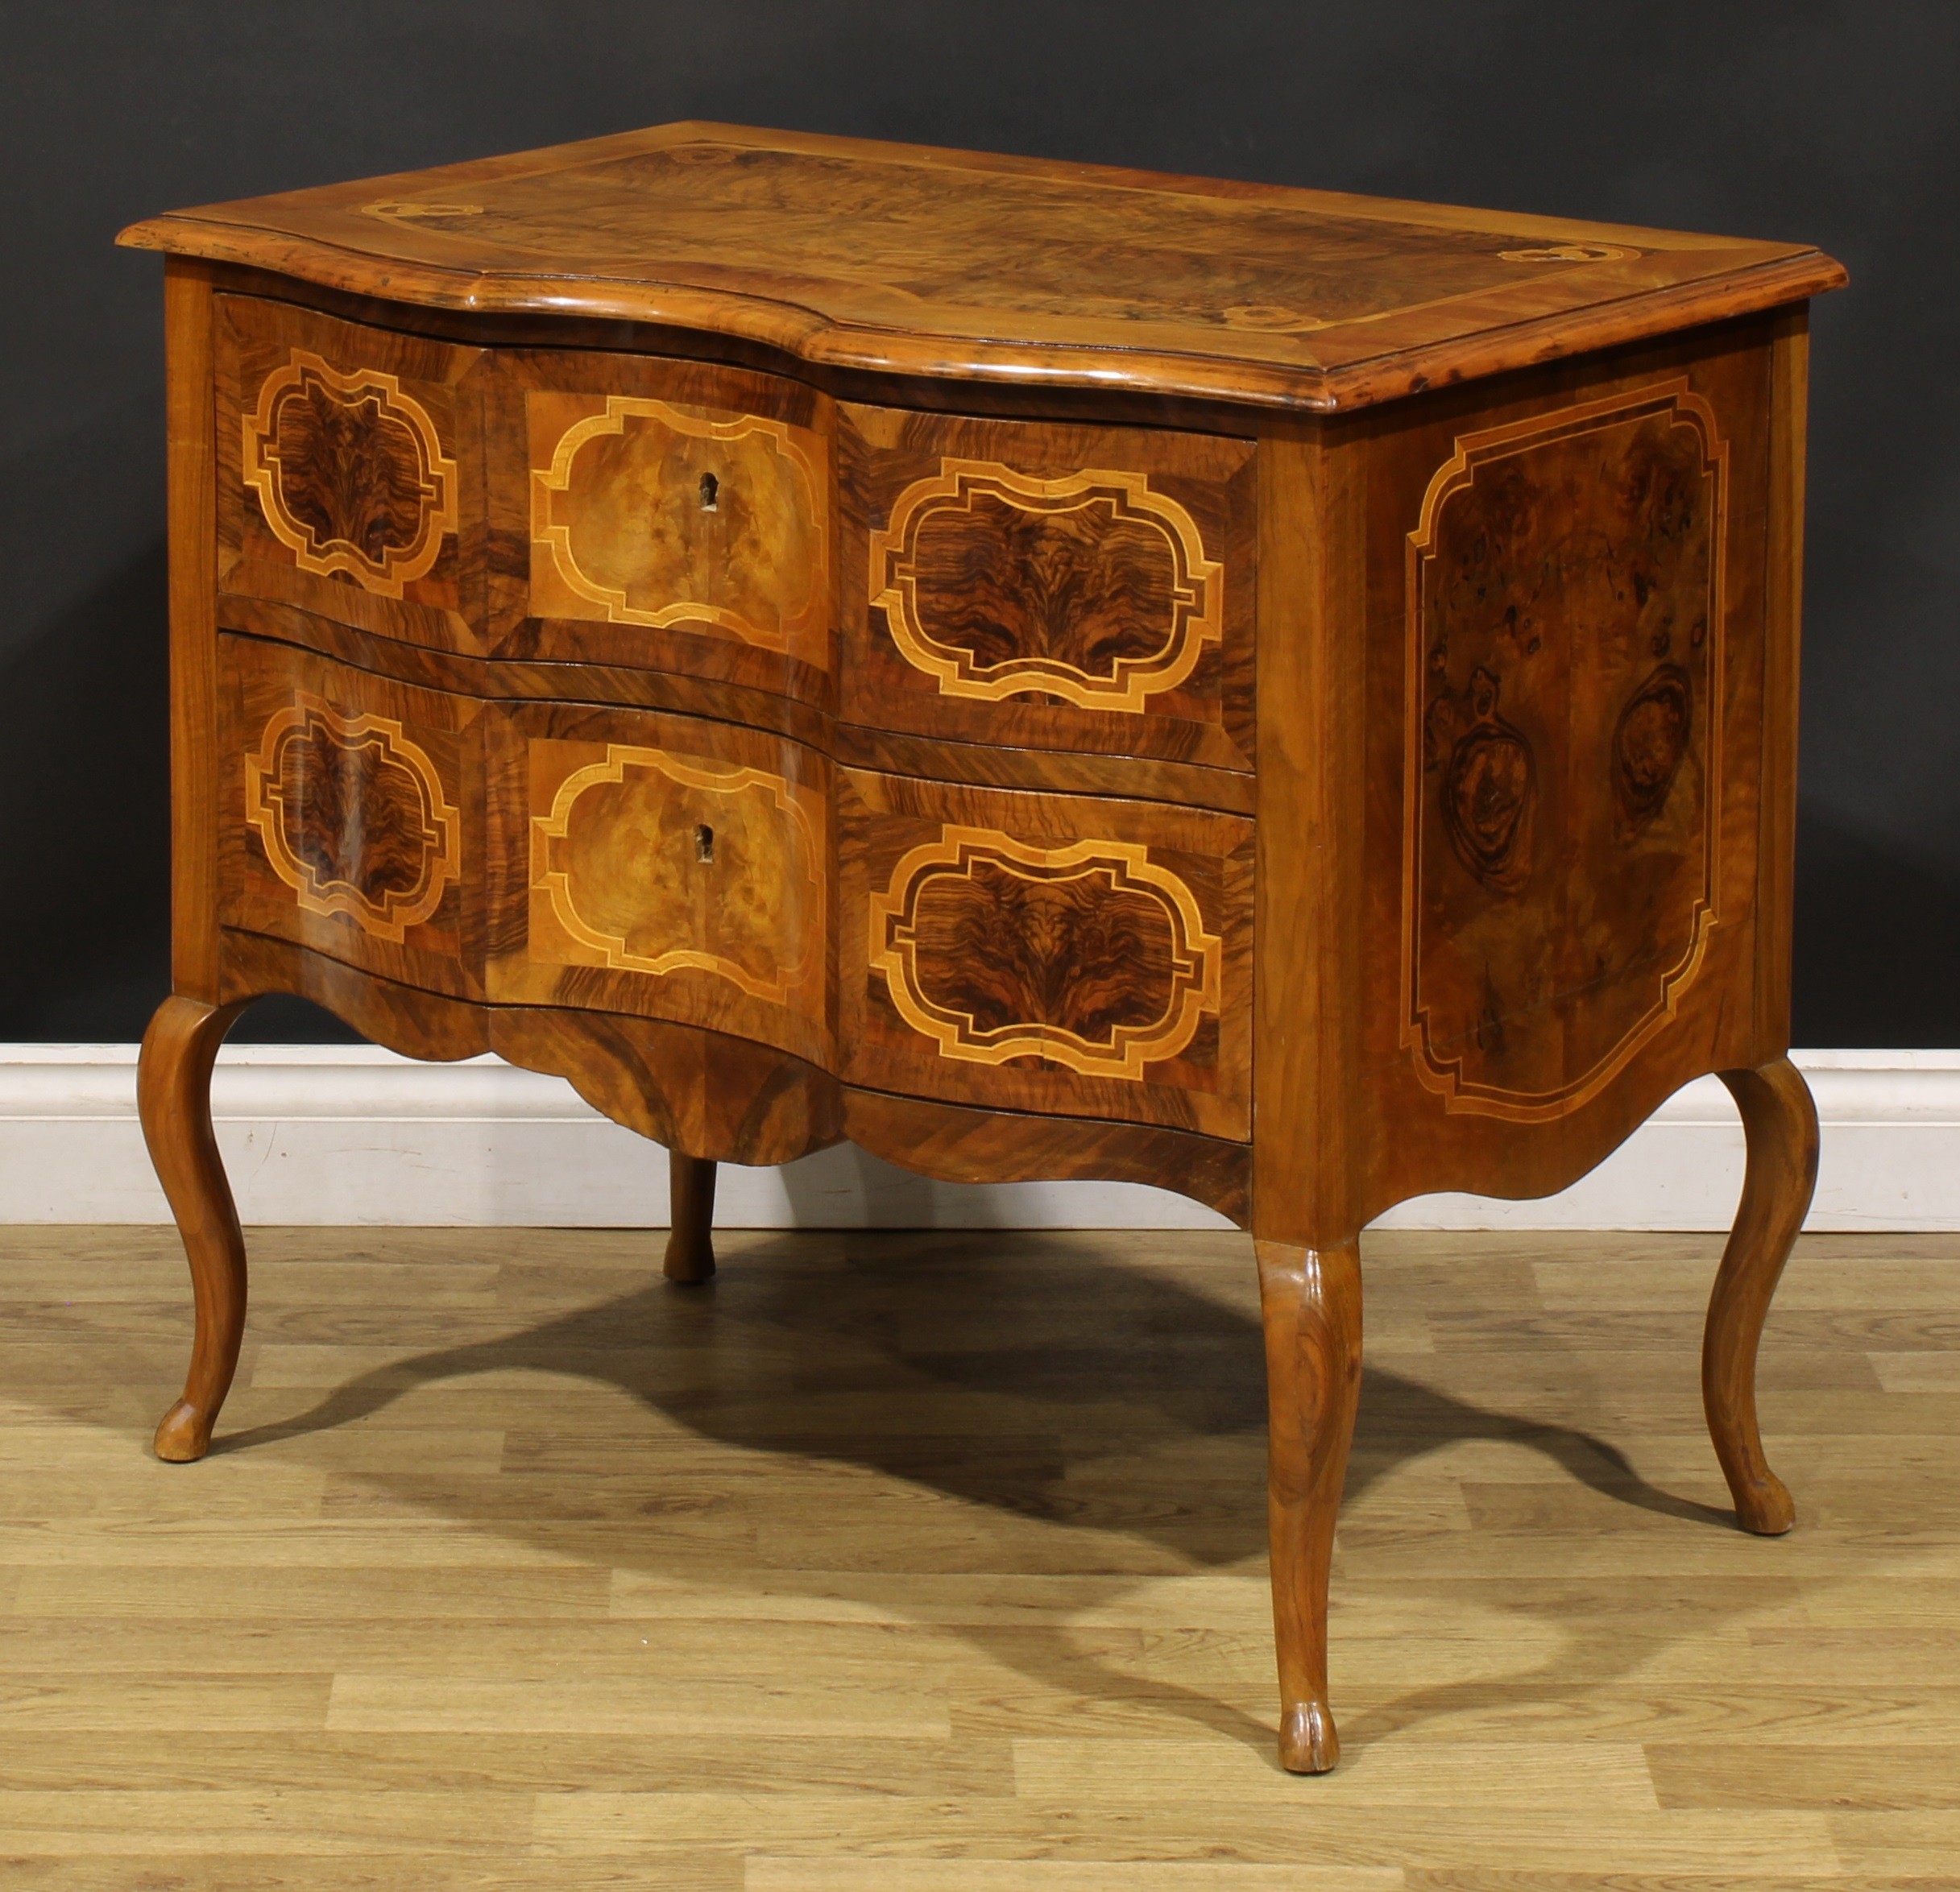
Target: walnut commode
1043,671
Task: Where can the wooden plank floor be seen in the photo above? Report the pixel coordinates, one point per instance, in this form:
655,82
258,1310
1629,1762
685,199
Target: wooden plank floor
934,1563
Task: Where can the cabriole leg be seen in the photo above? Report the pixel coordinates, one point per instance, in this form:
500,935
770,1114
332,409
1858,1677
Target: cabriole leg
1311,1304
690,1243
173,1098
1779,1123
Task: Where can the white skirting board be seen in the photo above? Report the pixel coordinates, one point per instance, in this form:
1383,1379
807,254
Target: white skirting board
351,1134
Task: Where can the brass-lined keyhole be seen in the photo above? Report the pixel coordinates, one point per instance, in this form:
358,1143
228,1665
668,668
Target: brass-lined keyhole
710,492
704,842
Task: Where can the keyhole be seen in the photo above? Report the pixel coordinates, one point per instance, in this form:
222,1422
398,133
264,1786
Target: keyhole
704,842
711,489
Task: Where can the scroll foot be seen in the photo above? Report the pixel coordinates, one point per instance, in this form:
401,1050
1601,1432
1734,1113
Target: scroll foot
183,1433
1308,1743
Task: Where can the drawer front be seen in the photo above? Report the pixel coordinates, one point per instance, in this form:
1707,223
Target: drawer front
1048,587
662,514
665,865
348,463
350,819
1055,953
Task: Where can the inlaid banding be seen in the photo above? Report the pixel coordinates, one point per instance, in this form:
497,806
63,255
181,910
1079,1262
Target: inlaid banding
353,816
349,473
1093,588
1092,956
648,512
657,862
1566,599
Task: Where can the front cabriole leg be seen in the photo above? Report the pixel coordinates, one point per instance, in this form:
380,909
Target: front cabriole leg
1310,1302
173,1098
1779,1122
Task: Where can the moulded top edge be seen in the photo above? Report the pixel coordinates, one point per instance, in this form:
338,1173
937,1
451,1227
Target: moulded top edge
906,260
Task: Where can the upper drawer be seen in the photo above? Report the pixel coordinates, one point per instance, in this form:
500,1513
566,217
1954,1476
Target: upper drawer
668,515
349,472
1047,587
576,507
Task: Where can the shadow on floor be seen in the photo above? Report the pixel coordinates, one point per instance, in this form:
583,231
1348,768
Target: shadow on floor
925,1322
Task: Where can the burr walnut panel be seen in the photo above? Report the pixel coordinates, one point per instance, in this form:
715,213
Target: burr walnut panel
667,866
617,858
1089,955
350,474
1049,953
661,514
648,514
1055,587
353,816
348,483
355,831
1566,602
1090,589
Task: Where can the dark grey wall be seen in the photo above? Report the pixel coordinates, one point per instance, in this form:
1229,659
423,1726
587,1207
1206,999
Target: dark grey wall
1831,123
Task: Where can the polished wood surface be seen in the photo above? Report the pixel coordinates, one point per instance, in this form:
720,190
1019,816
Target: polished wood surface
651,512
691,1242
666,865
911,1561
1598,752
191,447
173,1099
350,473
734,1100
890,752
1046,673
1573,982
1046,587
1310,852
1781,1124
1789,381
359,830
906,259
1310,1307
1046,952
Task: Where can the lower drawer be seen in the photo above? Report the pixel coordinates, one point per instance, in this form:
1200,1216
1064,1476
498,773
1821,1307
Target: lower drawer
670,866
350,815
1075,955
1070,953
616,860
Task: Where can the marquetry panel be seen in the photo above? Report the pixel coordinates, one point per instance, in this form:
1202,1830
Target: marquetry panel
663,514
664,865
353,816
349,473
645,513
1055,587
1052,953
353,828
1090,588
347,483
1567,596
